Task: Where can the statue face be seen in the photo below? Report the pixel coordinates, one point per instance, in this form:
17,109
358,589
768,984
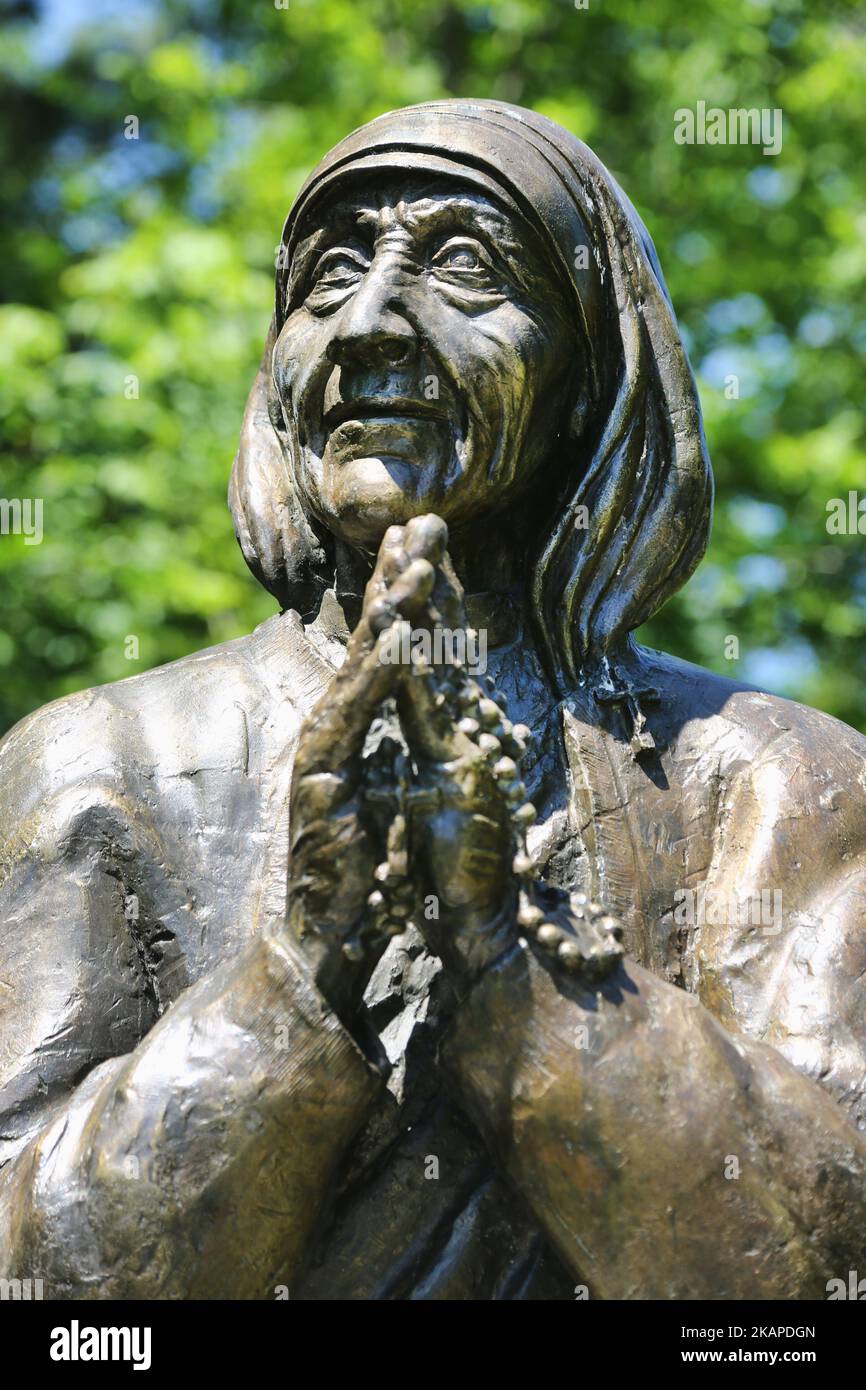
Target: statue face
427,362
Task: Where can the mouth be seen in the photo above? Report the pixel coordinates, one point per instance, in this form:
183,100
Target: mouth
382,410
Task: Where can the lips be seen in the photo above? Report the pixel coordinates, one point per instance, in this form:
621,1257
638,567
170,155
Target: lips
383,409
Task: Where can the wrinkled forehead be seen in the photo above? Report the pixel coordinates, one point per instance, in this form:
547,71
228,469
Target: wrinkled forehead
370,205
395,169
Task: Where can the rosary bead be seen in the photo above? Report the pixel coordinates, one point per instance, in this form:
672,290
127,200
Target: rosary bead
569,953
612,925
490,713
529,915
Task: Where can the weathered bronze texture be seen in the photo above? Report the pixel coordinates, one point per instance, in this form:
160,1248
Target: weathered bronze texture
422,1065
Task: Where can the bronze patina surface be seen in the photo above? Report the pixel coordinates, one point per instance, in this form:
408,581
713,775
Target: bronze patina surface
304,985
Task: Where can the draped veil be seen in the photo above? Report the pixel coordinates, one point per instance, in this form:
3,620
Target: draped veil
641,470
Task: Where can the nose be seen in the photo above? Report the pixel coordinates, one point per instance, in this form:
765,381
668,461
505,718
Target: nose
372,329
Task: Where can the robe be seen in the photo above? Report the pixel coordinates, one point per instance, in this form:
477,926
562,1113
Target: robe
182,1115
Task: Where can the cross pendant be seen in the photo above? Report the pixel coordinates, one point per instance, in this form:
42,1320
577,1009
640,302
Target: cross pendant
626,698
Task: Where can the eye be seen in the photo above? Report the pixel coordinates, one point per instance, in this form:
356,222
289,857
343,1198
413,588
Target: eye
459,258
339,268
466,260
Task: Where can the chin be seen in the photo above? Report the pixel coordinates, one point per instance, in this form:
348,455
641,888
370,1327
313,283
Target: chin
367,495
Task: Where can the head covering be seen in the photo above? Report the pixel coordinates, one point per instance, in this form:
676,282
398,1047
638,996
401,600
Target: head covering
642,472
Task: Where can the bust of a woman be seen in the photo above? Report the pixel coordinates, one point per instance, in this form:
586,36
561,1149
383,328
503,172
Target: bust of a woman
328,972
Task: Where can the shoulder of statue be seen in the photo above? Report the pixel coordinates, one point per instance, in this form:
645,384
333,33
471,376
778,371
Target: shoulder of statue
141,725
655,721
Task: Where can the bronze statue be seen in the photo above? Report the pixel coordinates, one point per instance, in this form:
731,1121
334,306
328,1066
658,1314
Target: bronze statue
423,1064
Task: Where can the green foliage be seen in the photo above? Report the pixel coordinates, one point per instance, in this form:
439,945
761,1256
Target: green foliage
136,279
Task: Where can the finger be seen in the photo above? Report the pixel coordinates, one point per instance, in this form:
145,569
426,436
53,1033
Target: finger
392,543
447,604
406,597
426,538
390,561
430,718
392,547
393,562
335,732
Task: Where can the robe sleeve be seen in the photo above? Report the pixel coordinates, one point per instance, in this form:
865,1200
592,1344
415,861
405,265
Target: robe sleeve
187,1155
665,1156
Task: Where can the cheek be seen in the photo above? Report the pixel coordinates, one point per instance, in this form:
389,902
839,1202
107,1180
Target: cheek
506,363
542,368
530,351
299,358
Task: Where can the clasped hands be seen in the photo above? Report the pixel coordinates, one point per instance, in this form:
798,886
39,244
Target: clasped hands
428,828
